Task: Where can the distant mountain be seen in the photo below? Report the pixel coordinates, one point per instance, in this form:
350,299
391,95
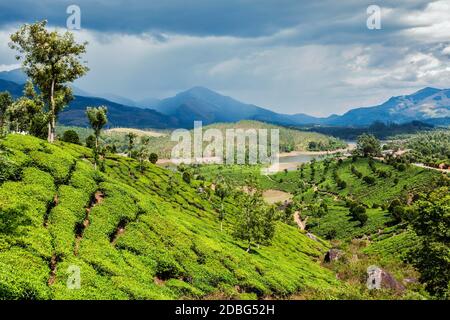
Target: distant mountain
149,103
118,99
429,105
208,106
13,88
16,75
19,77
119,115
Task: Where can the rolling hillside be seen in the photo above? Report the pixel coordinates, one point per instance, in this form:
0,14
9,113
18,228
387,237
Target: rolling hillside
290,139
133,235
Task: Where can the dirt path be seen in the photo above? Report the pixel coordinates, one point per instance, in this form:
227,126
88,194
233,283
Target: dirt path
98,198
301,224
119,230
53,263
421,165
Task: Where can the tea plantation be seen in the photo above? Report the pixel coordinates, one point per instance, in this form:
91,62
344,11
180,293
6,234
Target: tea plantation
133,235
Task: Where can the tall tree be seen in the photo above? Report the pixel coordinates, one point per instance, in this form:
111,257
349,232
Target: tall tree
368,145
5,101
143,152
131,137
431,223
98,119
51,60
256,222
222,190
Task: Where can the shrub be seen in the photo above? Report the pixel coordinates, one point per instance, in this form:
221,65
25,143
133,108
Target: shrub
153,158
331,234
167,267
71,136
90,142
9,170
341,184
358,212
186,177
369,179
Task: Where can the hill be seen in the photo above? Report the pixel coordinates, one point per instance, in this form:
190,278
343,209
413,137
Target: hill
426,104
208,106
290,139
134,235
119,115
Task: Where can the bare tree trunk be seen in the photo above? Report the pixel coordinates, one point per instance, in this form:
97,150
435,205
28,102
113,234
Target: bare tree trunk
51,122
97,156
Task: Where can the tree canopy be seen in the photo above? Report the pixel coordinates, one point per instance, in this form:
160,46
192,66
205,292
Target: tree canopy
52,61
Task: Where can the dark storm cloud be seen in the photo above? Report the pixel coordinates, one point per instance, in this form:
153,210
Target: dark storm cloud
242,18
292,56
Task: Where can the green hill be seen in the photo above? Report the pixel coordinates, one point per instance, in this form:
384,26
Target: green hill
133,235
290,139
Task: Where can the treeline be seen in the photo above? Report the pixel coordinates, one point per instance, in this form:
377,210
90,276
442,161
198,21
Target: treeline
379,129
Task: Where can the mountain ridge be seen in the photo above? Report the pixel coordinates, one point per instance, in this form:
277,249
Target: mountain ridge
431,105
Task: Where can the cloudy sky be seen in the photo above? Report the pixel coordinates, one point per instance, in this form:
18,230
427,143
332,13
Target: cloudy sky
316,57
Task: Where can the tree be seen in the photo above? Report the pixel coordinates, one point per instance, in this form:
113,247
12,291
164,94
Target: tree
153,158
143,151
98,119
187,177
358,212
256,222
71,136
222,190
90,142
51,60
368,145
131,137
5,101
431,223
23,112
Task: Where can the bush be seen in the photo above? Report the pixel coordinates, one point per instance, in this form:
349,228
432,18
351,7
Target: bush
9,170
71,136
186,177
341,184
90,142
358,212
331,234
167,267
369,180
153,158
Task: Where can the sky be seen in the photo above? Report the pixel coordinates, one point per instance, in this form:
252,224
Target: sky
291,56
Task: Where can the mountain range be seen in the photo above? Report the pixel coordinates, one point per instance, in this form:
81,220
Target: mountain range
429,105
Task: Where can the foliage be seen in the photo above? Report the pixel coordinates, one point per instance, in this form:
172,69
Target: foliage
71,136
368,145
153,158
51,60
432,256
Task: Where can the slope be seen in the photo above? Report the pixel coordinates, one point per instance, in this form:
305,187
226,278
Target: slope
132,235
